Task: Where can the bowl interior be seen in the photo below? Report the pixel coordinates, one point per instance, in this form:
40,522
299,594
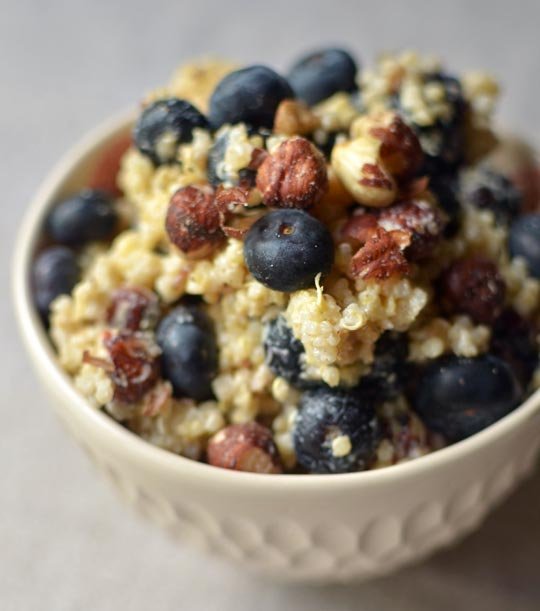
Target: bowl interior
78,169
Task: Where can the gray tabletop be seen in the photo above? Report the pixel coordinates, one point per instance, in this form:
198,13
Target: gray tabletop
65,542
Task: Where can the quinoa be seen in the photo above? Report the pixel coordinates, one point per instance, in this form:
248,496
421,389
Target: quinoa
338,320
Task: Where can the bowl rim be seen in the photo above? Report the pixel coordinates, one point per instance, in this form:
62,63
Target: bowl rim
40,349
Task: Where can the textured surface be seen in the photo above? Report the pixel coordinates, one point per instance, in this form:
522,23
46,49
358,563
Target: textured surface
291,549
66,541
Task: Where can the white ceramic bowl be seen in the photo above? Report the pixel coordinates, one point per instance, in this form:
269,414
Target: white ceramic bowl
294,527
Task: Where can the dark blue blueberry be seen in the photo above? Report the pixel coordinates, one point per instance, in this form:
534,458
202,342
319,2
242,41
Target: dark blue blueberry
171,118
55,272
328,413
319,75
458,397
189,352
286,249
489,190
524,241
443,142
84,217
284,352
445,188
250,95
513,339
386,379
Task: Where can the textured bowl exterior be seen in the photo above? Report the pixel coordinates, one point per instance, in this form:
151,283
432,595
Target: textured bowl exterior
291,527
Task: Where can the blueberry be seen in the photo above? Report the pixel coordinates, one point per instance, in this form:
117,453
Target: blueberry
445,188
458,396
163,126
489,190
524,241
284,352
55,272
250,95
513,339
84,217
386,379
326,414
189,351
319,75
443,141
286,249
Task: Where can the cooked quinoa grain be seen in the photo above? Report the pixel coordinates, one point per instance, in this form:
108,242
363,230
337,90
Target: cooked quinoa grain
410,121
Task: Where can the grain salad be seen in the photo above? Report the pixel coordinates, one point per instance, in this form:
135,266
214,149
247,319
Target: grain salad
323,272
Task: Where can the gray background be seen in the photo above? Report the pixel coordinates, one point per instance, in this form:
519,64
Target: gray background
65,542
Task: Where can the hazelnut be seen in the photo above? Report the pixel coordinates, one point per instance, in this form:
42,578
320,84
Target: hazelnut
380,258
400,151
293,176
475,287
294,117
422,221
358,166
359,227
193,220
244,447
383,151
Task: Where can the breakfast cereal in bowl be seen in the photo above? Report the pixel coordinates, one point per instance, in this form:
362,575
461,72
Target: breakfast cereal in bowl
322,272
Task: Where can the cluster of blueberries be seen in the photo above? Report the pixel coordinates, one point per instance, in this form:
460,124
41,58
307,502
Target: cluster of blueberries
285,249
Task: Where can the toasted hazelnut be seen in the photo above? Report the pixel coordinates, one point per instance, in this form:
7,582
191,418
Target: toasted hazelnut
400,151
382,152
475,287
244,447
380,258
293,176
359,227
294,117
423,222
357,164
193,221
